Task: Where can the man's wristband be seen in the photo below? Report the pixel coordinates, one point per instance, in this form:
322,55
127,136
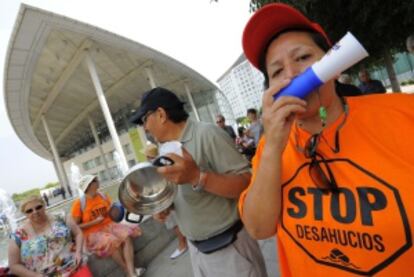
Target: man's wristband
202,179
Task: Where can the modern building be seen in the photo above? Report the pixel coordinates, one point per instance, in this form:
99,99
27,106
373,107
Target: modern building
70,87
242,84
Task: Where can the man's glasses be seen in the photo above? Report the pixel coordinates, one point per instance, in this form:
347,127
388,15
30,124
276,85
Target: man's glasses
145,117
219,121
37,208
318,166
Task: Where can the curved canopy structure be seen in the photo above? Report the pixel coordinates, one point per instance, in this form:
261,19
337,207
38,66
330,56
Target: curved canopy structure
46,76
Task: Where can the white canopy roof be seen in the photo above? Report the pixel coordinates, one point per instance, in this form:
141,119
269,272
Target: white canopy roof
45,75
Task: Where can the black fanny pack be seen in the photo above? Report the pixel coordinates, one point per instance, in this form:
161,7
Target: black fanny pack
219,241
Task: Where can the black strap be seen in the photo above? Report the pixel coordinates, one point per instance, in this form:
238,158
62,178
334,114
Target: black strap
219,241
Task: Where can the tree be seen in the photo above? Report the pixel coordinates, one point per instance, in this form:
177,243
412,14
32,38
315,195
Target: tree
51,185
242,121
380,25
17,197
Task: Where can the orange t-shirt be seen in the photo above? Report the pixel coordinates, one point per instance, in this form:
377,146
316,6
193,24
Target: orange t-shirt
365,228
94,207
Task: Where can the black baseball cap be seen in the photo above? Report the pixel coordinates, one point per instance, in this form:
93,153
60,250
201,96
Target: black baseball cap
156,98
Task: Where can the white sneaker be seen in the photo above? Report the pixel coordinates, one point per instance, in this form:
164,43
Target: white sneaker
177,253
139,271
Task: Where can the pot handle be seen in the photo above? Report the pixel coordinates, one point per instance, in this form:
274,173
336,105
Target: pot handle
132,220
162,161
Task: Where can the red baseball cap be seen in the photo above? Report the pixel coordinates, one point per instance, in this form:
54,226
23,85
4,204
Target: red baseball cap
268,22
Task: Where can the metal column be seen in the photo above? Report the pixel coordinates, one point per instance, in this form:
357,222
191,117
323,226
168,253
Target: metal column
213,117
150,77
106,112
190,98
61,170
98,143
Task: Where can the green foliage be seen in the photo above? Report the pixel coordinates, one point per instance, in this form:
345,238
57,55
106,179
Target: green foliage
380,25
242,121
17,197
51,185
408,82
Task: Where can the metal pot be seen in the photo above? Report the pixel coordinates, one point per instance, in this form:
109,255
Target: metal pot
144,191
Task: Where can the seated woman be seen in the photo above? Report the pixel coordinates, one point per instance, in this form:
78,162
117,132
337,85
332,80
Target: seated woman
44,245
103,237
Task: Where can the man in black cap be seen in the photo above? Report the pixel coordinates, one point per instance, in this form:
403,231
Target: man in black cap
210,176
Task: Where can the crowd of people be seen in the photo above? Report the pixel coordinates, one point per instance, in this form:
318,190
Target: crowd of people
329,175
247,138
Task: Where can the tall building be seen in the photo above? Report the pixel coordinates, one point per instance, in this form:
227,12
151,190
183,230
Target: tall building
242,84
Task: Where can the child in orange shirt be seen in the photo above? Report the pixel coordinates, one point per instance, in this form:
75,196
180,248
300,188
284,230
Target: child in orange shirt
104,237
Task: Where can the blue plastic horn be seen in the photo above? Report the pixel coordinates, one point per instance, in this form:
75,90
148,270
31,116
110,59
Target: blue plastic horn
347,52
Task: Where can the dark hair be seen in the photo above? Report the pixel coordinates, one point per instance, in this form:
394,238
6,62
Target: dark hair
177,114
319,40
220,116
240,131
252,110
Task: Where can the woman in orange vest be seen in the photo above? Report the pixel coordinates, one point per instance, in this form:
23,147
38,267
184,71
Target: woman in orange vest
332,177
103,237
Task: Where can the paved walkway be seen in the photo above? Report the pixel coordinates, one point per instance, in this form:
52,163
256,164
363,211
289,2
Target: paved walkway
162,265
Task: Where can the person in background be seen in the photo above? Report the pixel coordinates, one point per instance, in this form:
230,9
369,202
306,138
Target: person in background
344,86
168,216
210,175
221,122
46,199
332,177
46,245
245,144
369,85
63,191
255,129
103,237
410,44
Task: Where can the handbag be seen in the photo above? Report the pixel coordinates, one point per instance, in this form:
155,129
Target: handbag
83,271
219,241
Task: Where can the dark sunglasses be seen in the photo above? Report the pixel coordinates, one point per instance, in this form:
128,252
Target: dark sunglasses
37,208
219,121
319,170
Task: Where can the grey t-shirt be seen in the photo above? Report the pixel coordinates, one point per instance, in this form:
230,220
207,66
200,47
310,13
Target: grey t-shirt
256,130
201,215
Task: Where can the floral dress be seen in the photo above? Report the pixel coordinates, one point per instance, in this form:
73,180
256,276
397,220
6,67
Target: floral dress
52,254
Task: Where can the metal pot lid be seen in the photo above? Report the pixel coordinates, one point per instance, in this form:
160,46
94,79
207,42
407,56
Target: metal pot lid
144,191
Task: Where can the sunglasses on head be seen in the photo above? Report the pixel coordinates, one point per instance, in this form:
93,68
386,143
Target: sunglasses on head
319,170
37,208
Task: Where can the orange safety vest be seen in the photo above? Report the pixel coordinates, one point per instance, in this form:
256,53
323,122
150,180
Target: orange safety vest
366,227
95,207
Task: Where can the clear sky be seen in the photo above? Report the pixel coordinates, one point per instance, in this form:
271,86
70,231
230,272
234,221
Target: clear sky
204,35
